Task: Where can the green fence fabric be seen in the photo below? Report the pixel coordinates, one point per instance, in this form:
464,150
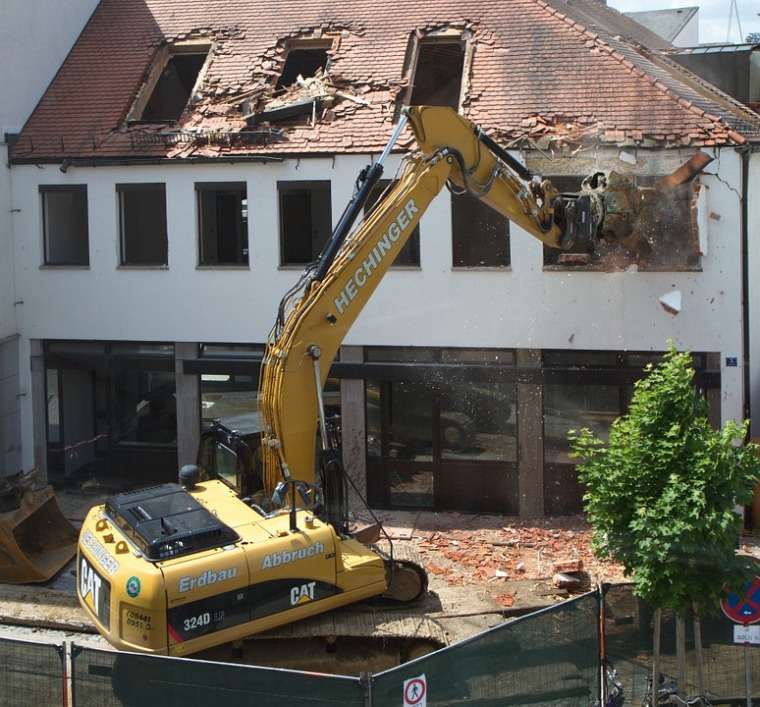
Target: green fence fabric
137,680
31,674
547,658
628,629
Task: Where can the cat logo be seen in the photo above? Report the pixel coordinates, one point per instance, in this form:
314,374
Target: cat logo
302,594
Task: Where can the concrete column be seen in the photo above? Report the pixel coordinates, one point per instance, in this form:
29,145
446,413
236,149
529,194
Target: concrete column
188,406
10,412
530,439
39,408
353,428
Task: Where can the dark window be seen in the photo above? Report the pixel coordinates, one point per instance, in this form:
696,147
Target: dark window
410,253
65,225
222,224
480,235
174,87
438,72
304,62
305,220
142,220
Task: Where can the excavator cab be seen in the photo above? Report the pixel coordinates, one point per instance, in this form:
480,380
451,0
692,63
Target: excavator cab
36,539
230,450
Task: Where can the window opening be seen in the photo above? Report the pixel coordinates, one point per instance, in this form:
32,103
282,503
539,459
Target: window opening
303,61
438,72
480,235
305,220
142,220
222,224
174,85
65,225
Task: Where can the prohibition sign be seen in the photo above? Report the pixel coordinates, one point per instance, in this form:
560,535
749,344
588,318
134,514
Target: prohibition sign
744,609
414,692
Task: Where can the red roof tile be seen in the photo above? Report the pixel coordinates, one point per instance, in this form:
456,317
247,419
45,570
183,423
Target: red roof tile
535,69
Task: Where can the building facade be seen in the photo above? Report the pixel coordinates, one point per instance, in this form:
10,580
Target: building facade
166,197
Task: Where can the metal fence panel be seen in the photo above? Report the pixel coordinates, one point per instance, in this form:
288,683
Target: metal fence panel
549,658
106,678
31,674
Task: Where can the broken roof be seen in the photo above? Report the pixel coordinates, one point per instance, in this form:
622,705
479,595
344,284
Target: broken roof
570,68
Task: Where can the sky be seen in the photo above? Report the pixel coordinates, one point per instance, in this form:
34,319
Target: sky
714,16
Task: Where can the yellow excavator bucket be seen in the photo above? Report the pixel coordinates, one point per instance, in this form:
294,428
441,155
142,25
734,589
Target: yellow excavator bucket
36,540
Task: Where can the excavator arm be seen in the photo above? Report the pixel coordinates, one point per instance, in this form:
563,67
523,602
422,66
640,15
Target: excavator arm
317,314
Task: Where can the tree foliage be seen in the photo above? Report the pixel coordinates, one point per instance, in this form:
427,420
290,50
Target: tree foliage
753,38
661,493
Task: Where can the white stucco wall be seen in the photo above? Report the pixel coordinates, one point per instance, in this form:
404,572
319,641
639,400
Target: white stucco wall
753,285
431,306
35,38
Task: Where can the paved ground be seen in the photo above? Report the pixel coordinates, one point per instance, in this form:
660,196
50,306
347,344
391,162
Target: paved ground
483,569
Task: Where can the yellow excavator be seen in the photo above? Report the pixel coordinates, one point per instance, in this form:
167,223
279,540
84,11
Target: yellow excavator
179,568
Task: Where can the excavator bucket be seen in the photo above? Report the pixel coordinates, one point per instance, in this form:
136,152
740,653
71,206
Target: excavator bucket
36,539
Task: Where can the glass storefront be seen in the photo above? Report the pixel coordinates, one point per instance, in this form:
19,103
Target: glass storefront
111,414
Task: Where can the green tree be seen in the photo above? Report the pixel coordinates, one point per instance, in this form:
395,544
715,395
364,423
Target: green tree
662,491
753,38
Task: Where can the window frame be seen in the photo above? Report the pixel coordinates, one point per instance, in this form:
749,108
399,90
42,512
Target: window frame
79,213
160,63
483,217
446,35
208,225
315,244
131,188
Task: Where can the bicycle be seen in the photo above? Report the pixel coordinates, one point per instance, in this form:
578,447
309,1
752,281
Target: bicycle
668,695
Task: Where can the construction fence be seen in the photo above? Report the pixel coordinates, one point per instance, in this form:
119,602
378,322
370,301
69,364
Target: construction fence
552,657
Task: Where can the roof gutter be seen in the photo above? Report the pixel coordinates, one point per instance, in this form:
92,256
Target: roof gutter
67,163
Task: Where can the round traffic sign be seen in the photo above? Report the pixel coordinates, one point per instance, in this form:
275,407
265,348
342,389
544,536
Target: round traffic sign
743,608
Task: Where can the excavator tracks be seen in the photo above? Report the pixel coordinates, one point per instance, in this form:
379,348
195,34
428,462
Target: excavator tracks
370,636
405,573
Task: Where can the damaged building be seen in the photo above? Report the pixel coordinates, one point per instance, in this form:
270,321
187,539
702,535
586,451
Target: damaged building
178,174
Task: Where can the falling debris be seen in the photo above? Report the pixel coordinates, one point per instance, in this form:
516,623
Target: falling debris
671,302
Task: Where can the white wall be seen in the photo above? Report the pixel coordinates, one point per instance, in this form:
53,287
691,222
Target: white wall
35,37
433,306
753,280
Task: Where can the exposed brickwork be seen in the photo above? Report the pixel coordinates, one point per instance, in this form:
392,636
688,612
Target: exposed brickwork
557,69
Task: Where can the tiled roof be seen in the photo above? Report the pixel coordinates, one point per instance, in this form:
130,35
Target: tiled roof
569,70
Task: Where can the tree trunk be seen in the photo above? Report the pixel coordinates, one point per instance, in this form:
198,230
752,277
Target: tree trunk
698,650
656,658
681,652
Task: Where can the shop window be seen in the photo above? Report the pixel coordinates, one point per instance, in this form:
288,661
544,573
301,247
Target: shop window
305,220
145,407
227,394
65,225
222,223
435,69
142,221
410,253
480,235
577,406
167,92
